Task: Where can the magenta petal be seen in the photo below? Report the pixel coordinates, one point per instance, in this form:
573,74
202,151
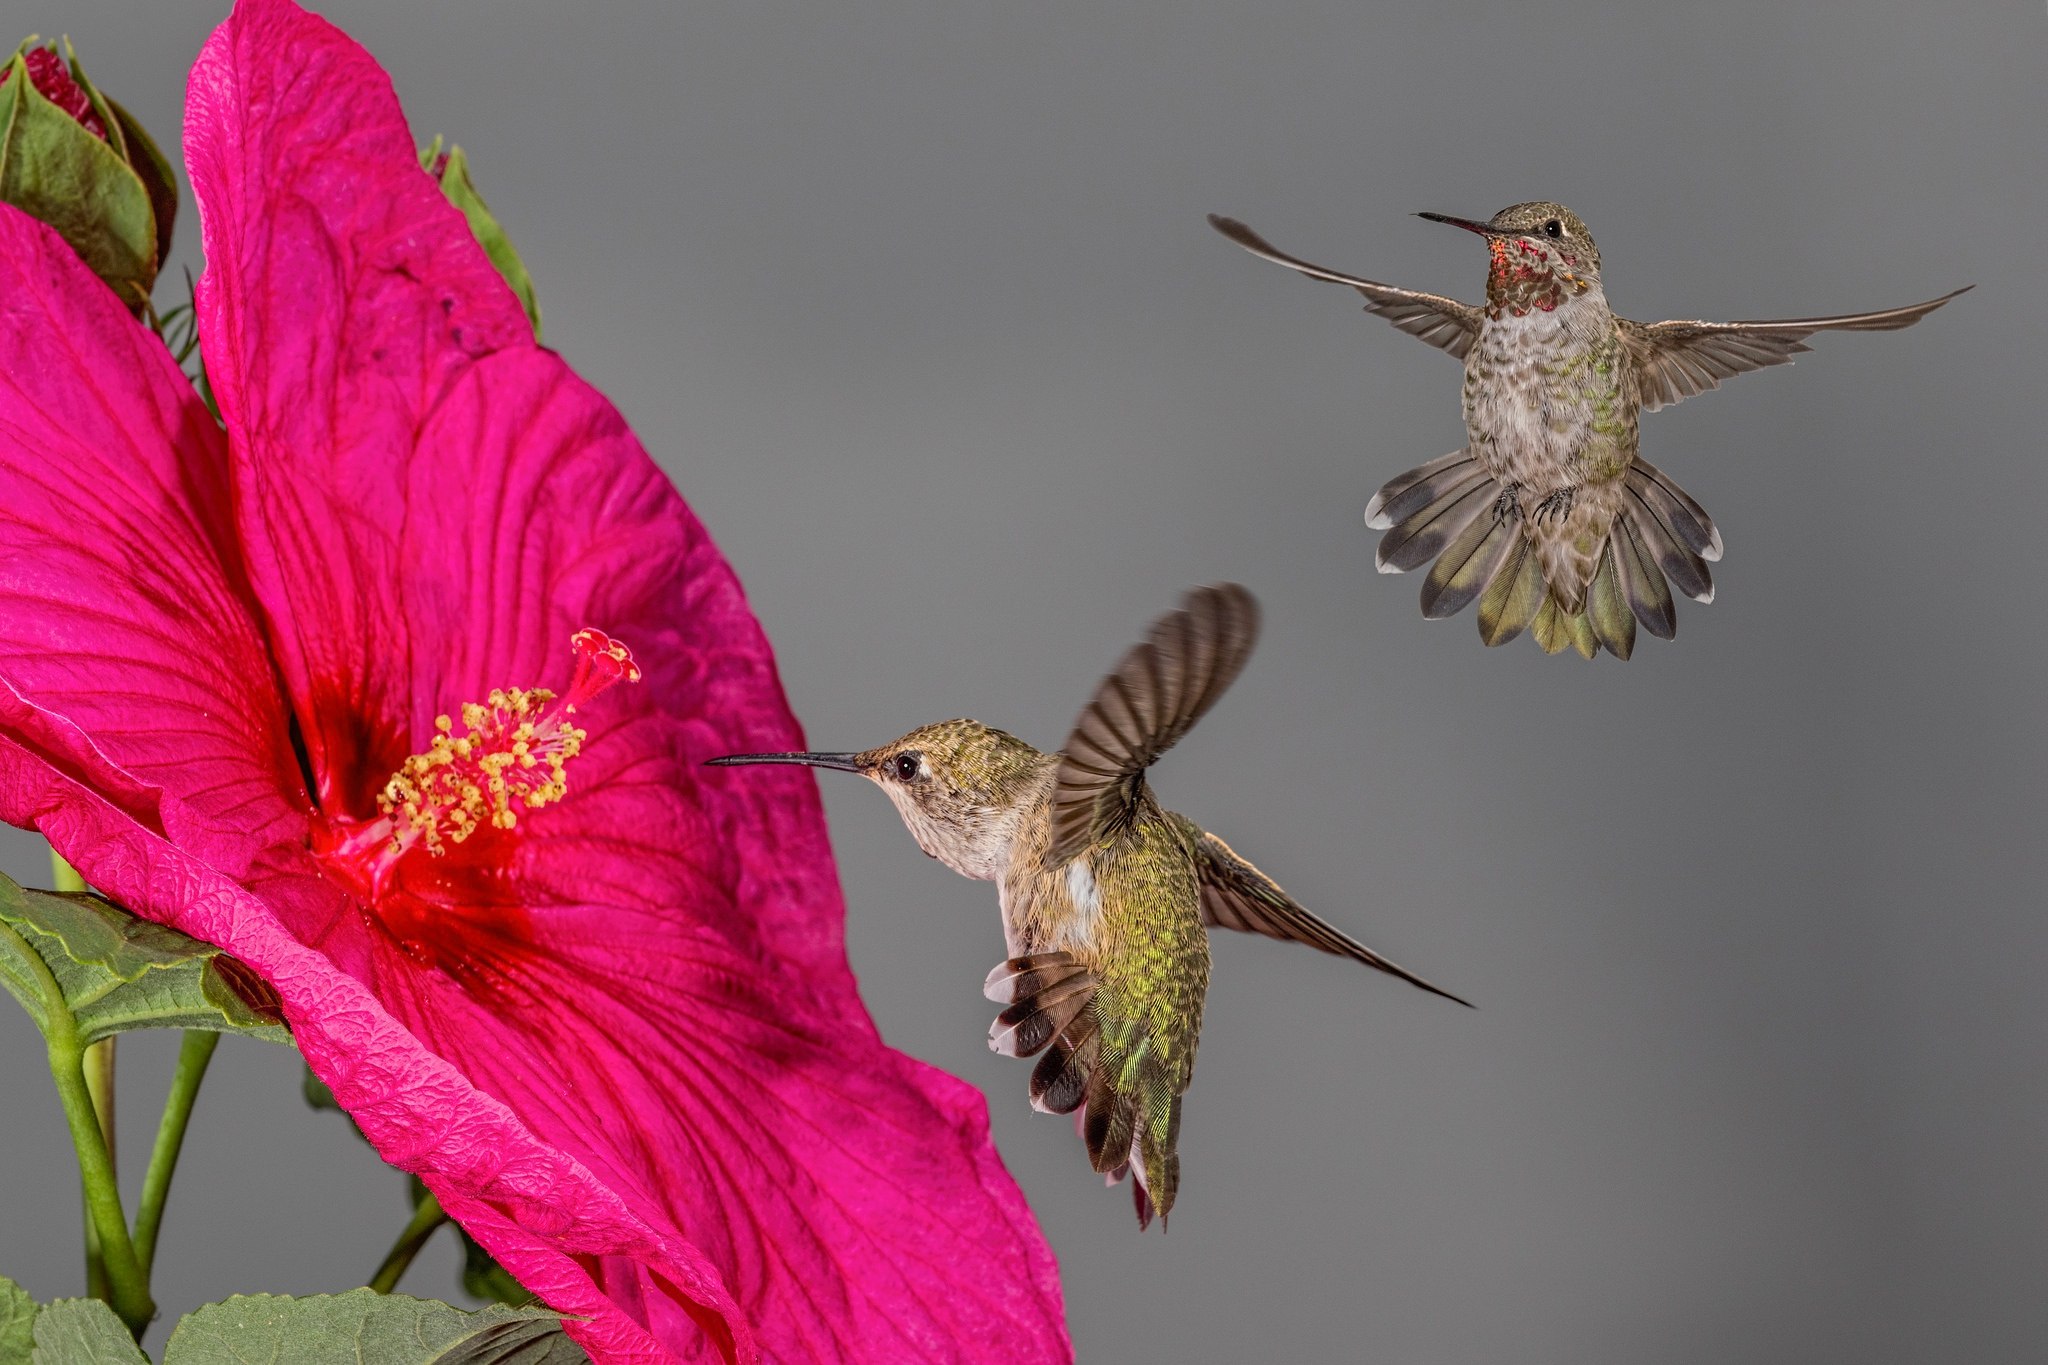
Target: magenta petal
533,511
115,608
342,295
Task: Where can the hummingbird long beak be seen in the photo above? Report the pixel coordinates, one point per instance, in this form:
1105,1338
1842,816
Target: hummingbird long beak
846,763
1483,229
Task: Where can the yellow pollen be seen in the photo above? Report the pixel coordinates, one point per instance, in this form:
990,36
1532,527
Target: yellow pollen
512,756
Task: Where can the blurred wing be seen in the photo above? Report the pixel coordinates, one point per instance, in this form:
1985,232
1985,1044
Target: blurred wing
1236,895
1680,359
1157,693
1444,323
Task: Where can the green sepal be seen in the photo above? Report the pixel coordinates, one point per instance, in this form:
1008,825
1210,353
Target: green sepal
149,163
17,1323
451,169
83,1332
118,971
53,169
115,138
362,1325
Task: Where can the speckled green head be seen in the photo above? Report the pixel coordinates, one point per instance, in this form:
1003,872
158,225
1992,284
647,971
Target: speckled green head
960,786
1542,253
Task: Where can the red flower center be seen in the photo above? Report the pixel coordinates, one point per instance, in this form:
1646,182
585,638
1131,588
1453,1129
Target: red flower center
507,756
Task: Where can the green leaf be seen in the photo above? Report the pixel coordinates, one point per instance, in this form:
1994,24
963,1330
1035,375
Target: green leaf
361,1325
83,1332
452,170
17,1323
118,971
52,169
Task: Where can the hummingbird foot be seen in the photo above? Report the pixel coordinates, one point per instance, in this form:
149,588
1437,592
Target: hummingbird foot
1557,504
1507,507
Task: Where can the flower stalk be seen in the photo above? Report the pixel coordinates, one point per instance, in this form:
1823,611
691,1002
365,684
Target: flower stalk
99,1084
426,1218
193,1056
127,1283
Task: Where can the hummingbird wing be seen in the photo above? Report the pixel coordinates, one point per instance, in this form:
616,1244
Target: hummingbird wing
1679,359
1157,693
1236,895
1444,323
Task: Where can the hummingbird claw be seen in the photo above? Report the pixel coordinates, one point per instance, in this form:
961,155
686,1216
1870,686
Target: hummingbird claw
1507,507
1558,504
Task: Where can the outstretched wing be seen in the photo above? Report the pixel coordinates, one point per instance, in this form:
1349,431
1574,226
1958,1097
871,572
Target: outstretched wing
1157,693
1236,895
1444,323
1680,359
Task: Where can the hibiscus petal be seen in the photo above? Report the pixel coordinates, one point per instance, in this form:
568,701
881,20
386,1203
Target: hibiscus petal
116,609
342,294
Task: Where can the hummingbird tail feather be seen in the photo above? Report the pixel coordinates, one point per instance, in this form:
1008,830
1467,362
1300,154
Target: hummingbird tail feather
1438,506
1025,1028
1406,494
1671,537
1581,583
1515,595
1135,1130
1060,1080
1045,994
1469,563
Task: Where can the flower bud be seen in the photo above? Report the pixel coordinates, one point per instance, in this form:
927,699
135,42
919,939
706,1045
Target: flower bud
451,169
81,163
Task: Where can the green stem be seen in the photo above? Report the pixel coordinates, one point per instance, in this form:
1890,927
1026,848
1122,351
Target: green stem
127,1285
98,1067
99,1083
425,1219
193,1055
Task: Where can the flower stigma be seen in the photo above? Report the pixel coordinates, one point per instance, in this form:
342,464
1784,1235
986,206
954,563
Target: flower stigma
510,755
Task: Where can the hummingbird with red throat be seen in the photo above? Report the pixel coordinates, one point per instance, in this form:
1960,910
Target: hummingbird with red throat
1548,517
1106,896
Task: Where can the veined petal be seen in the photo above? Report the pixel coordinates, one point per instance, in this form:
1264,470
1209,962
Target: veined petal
118,608
342,295
532,512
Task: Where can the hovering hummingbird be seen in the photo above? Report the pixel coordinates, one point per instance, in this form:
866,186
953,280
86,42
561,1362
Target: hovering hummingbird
1548,516
1105,895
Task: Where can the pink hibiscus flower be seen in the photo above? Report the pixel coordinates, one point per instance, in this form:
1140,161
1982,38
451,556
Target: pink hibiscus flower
594,994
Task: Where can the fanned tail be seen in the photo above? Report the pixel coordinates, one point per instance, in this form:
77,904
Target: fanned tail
1050,999
1629,544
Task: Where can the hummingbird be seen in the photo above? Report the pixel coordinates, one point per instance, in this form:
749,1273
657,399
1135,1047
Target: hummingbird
1105,894
1548,515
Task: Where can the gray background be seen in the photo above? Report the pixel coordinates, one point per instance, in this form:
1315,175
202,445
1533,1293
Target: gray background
916,302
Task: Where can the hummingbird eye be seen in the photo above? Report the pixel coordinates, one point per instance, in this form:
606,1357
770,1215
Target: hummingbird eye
906,765
1553,228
